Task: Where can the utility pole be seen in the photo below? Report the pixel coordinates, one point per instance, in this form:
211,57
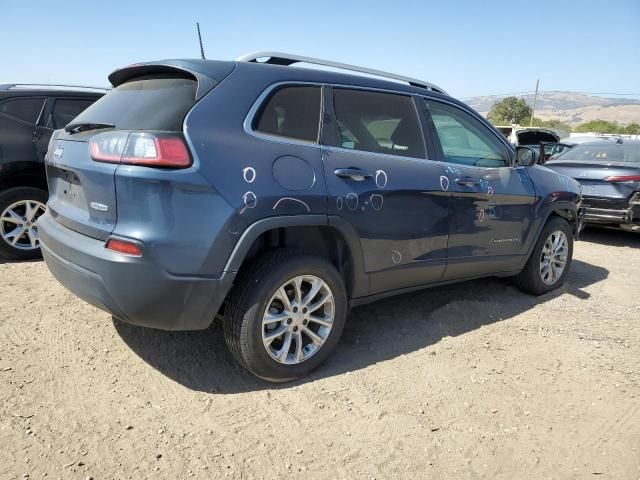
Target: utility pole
535,99
200,40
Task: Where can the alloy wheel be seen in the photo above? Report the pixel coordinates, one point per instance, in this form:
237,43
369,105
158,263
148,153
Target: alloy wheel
18,224
553,259
298,319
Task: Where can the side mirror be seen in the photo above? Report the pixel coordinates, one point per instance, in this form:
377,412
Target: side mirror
526,156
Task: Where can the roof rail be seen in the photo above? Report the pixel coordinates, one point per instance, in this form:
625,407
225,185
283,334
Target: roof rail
278,58
47,86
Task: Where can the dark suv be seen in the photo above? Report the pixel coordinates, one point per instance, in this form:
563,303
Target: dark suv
279,197
28,116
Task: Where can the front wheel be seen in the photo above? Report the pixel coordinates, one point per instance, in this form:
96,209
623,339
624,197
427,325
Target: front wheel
550,260
285,314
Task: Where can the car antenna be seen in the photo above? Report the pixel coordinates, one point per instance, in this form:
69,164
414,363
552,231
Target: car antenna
200,41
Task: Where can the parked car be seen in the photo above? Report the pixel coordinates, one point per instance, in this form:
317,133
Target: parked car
568,143
532,137
28,116
528,136
279,197
609,173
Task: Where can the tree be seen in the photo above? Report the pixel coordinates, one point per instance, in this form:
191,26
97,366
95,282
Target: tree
554,124
510,110
600,126
632,129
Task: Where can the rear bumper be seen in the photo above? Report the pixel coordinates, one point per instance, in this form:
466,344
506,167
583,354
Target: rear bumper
133,289
630,215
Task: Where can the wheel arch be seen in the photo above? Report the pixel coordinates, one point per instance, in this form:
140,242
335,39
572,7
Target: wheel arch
23,174
563,209
330,237
566,210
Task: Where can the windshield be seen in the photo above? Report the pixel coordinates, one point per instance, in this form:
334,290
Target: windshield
603,153
145,103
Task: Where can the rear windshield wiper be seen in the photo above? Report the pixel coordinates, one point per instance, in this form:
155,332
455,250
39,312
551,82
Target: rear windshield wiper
84,126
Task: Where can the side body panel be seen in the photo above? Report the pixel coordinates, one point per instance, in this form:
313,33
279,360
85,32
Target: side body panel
554,193
400,214
492,208
491,221
256,176
16,138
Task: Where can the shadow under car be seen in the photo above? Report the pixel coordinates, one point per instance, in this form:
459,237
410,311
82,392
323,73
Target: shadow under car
200,361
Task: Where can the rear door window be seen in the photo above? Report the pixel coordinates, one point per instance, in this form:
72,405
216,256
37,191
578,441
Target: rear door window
150,102
292,112
378,122
464,139
65,110
25,109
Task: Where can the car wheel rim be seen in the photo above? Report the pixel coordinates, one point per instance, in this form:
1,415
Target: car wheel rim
298,319
19,224
553,259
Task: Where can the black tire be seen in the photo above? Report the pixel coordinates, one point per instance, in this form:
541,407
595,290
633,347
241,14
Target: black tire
530,279
8,198
255,286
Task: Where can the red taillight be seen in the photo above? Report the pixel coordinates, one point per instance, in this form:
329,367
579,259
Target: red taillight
138,148
122,246
623,178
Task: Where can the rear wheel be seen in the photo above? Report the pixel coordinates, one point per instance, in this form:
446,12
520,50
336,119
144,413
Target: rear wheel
285,315
550,260
20,209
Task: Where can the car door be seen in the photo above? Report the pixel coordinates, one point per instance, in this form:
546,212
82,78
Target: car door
492,200
18,118
58,113
380,180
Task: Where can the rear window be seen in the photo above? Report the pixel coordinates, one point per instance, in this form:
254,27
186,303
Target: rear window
25,109
603,153
144,103
292,112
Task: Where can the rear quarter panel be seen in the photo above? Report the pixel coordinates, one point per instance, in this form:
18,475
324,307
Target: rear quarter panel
242,167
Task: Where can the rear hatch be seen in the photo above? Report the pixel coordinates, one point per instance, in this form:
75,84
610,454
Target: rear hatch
534,136
141,117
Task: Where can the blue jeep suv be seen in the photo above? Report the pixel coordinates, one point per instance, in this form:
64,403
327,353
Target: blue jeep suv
278,197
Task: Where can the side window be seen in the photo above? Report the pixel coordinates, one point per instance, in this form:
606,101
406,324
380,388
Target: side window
464,139
378,122
292,112
25,109
66,110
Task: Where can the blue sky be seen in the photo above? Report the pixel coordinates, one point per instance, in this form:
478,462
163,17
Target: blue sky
467,47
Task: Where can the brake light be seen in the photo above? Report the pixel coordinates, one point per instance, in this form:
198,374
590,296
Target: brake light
138,148
623,178
122,246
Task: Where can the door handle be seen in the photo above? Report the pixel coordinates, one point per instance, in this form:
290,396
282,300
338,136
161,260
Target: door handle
353,173
468,181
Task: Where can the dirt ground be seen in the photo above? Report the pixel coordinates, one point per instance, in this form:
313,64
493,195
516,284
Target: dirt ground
470,381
